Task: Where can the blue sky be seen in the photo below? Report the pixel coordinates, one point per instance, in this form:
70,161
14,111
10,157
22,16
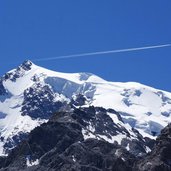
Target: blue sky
40,28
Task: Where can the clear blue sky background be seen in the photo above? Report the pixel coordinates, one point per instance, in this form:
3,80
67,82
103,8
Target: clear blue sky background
46,28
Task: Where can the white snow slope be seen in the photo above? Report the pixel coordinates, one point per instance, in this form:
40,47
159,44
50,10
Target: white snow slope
142,107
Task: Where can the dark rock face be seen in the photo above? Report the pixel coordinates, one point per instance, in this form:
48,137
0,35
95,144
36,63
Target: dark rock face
14,141
4,94
96,117
160,157
79,100
96,120
39,102
26,65
2,89
60,145
150,142
43,139
88,155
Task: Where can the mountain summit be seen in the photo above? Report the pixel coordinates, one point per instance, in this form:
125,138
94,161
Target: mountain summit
30,95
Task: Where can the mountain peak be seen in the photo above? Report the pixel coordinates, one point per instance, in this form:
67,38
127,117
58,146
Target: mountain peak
12,75
26,65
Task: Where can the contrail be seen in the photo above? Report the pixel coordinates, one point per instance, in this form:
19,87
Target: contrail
103,52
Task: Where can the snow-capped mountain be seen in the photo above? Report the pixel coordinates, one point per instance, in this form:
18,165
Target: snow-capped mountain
30,94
